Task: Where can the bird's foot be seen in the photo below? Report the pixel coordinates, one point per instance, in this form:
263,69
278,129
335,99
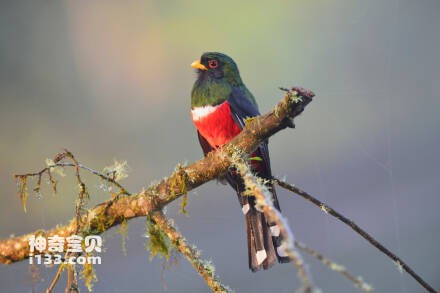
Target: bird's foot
248,119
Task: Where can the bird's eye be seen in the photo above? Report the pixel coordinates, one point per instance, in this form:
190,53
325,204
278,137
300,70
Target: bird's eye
213,63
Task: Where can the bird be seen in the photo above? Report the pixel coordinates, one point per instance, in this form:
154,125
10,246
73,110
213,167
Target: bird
220,106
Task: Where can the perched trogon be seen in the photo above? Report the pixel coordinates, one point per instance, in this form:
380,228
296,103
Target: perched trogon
220,105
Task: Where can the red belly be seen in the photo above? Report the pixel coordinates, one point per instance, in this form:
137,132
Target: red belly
217,127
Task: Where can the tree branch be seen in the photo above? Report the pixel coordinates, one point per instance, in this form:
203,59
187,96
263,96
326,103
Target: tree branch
183,179
357,281
401,265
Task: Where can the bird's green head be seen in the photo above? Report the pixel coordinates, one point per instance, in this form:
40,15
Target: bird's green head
217,66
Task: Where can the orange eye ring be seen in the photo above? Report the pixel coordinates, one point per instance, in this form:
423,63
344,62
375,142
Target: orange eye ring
213,63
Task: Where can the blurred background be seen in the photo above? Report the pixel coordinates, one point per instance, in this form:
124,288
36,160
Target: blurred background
111,80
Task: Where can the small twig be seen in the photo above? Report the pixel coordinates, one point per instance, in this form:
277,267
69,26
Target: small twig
81,166
328,210
69,279
78,215
357,281
82,191
204,268
97,173
72,284
56,278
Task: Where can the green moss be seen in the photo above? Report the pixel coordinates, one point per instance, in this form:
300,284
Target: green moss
184,204
22,190
180,177
179,180
123,230
99,223
256,158
159,243
89,275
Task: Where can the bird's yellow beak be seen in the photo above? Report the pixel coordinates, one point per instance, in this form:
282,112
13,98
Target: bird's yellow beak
197,65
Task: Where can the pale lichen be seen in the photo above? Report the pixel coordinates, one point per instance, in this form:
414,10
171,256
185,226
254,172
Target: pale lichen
53,167
324,208
399,266
117,171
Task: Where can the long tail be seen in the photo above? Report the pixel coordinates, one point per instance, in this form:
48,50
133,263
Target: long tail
265,243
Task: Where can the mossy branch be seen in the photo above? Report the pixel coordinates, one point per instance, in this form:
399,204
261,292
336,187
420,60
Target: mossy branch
357,281
112,212
204,268
401,265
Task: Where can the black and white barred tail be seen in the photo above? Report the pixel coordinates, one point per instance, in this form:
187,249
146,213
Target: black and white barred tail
264,240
